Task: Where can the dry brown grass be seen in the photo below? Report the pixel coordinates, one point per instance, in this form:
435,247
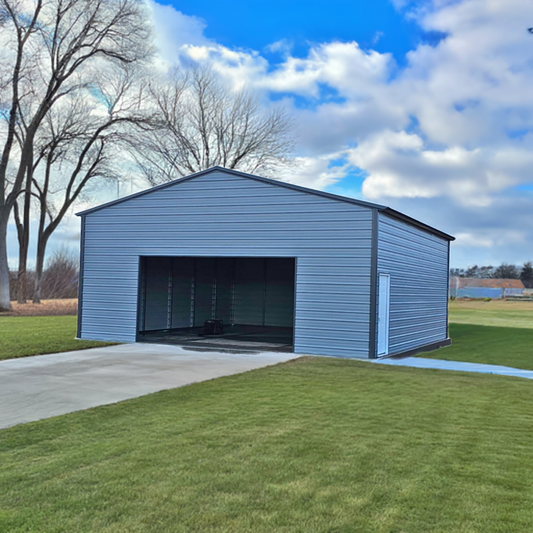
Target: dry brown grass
46,308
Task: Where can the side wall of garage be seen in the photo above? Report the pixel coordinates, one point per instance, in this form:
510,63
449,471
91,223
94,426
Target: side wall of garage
417,262
219,214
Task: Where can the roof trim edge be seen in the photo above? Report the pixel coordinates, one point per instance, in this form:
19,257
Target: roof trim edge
387,210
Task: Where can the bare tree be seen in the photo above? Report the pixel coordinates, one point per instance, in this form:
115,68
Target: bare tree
82,146
60,279
202,124
53,50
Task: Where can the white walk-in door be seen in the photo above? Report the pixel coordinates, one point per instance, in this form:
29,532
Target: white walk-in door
383,314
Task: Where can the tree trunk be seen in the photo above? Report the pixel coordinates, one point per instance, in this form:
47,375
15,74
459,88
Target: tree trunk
39,267
22,278
24,240
5,301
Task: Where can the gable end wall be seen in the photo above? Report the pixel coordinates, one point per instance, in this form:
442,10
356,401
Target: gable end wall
222,215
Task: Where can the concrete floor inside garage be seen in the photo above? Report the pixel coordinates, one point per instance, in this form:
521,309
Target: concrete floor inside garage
236,338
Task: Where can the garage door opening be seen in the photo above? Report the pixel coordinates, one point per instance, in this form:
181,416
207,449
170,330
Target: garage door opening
252,297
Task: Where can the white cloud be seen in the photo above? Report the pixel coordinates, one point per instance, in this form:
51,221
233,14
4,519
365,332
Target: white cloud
283,46
342,66
399,165
173,30
316,172
469,240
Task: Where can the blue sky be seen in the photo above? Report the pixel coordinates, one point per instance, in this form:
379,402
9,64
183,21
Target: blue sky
373,24
424,106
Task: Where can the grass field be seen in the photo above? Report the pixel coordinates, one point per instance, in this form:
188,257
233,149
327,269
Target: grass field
314,445
22,335
495,332
500,313
488,344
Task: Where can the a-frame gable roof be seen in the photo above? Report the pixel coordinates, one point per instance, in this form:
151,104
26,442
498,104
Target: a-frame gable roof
335,197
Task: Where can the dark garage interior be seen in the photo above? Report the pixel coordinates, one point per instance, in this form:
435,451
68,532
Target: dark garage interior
248,301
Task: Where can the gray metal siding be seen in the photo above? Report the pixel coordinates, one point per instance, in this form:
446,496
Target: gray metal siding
417,262
219,214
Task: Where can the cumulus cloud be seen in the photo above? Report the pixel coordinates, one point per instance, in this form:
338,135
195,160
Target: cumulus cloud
342,66
399,165
317,172
173,30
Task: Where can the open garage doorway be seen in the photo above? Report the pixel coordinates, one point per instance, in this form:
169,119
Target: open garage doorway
224,303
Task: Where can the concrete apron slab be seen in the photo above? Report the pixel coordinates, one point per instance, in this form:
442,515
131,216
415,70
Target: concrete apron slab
420,362
42,386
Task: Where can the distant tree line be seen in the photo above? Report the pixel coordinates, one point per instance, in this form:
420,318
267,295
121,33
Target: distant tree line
504,271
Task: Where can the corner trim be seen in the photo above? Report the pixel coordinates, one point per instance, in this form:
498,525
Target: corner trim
373,286
80,277
140,272
421,349
448,295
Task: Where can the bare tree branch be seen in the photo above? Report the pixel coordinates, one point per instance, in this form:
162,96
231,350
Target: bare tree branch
201,124
55,49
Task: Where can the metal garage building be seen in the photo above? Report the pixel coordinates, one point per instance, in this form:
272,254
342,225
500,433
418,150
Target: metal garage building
284,267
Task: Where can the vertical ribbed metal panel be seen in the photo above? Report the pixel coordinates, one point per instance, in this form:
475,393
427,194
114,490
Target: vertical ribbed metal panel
203,299
223,215
249,291
157,278
182,295
279,292
417,262
224,278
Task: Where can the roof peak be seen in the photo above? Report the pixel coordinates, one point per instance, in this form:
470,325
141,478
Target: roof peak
278,183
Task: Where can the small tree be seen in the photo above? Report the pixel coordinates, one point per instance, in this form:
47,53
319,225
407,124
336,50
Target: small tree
471,272
60,278
506,271
485,272
457,272
526,275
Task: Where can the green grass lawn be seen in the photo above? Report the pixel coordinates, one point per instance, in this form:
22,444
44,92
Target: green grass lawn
486,344
495,332
499,313
313,445
22,335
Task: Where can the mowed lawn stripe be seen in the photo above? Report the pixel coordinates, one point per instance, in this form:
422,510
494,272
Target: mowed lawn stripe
313,445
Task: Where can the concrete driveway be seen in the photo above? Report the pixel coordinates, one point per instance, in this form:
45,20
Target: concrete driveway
32,388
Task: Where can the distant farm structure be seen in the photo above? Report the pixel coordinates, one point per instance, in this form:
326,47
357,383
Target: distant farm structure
485,288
